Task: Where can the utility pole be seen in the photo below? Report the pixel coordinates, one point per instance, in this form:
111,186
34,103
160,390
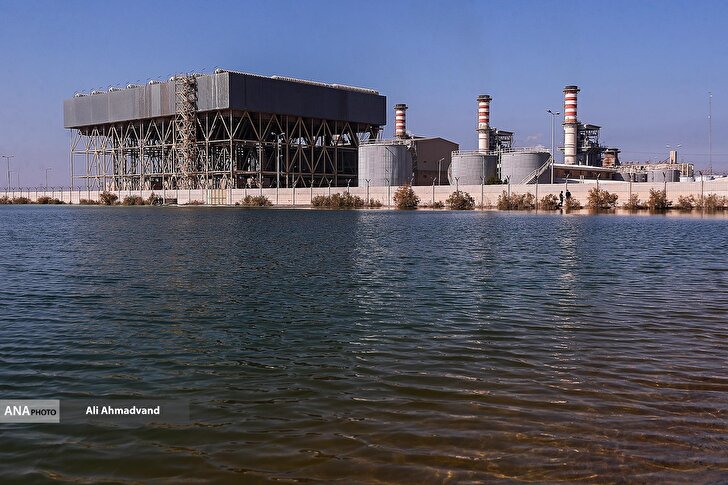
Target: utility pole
553,120
7,158
710,133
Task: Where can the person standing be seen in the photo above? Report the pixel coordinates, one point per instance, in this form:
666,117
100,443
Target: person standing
561,199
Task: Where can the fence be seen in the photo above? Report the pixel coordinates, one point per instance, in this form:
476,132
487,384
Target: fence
484,195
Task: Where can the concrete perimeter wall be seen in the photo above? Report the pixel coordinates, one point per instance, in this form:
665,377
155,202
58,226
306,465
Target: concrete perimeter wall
486,195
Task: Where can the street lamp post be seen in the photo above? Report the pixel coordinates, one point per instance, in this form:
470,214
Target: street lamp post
46,178
553,121
7,159
702,182
9,178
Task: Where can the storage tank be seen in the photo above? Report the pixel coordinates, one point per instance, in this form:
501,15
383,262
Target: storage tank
385,163
519,165
469,167
669,175
634,176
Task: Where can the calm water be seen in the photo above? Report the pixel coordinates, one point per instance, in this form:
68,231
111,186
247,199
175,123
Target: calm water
370,347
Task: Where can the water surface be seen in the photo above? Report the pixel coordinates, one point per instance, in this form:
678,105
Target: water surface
369,346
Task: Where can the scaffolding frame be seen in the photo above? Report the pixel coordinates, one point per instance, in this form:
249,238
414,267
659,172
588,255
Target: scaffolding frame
217,150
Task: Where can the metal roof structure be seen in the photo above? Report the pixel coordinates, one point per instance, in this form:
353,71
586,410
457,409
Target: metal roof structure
233,90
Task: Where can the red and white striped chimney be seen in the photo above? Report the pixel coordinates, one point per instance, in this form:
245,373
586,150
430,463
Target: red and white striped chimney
400,121
484,122
570,124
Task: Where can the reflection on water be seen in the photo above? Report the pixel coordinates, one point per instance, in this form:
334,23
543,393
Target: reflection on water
369,346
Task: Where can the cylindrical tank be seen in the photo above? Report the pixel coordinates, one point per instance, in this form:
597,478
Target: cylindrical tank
469,167
384,164
669,175
516,166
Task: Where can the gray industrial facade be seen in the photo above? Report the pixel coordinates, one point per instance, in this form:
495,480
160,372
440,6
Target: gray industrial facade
223,130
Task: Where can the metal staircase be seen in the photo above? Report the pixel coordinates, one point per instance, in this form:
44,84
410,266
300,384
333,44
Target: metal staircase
537,173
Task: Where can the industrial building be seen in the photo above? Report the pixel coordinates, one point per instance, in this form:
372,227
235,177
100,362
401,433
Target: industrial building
223,130
406,159
496,159
584,156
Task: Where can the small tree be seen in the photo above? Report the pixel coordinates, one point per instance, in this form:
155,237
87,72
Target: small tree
108,198
549,202
600,199
712,203
633,203
572,204
459,200
255,201
132,200
405,198
154,199
686,202
516,201
658,200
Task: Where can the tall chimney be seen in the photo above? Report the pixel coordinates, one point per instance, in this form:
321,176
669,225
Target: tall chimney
483,122
570,124
400,121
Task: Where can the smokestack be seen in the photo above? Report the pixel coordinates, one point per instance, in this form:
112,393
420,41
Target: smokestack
400,121
570,124
483,122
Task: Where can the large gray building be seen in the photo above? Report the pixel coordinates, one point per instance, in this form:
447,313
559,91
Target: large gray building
221,130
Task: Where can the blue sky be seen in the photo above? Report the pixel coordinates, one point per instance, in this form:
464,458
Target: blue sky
644,67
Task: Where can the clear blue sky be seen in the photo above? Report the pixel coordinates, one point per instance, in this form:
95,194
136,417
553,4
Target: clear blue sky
644,68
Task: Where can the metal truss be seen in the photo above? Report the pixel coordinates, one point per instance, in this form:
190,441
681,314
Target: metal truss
217,150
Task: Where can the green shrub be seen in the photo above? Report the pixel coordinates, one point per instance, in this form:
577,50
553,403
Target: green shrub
633,203
712,203
658,200
686,202
132,200
87,202
376,204
405,198
21,200
154,199
433,205
108,198
250,201
515,201
5,200
600,199
195,202
549,202
44,199
571,204
459,200
339,201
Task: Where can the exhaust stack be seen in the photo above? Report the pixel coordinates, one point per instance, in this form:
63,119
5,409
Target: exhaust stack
400,121
483,122
570,124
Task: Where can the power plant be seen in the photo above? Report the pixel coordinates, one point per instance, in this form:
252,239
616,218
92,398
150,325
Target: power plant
233,129
228,129
406,159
